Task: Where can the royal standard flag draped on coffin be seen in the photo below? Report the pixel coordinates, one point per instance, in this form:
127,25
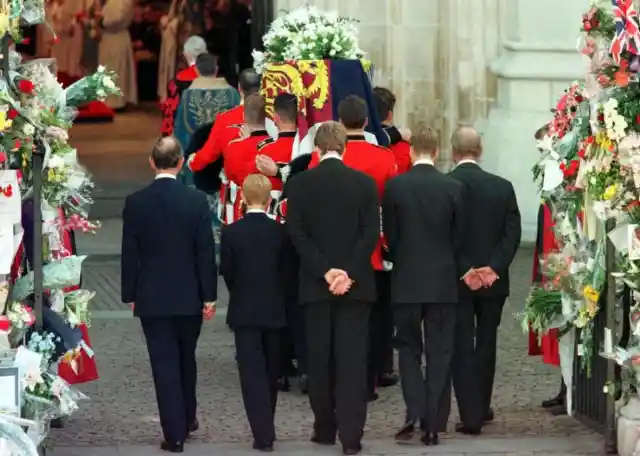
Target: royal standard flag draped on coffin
320,85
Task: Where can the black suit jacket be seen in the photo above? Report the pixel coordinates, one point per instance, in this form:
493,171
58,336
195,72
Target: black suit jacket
208,179
422,221
254,267
334,222
492,233
168,251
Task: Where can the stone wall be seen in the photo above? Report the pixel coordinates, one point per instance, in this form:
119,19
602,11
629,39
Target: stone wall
433,54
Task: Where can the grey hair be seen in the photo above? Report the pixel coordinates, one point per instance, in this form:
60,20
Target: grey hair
193,47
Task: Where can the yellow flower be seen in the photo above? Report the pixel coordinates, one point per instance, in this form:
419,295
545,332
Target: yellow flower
4,122
610,192
603,141
4,23
591,294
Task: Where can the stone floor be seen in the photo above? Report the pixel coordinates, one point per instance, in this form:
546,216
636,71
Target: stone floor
121,416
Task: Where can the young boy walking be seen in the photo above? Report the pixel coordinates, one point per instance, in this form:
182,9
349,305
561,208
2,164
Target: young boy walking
252,262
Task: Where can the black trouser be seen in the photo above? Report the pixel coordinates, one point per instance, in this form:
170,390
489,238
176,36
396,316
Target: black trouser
171,342
380,331
474,361
294,342
423,395
258,357
337,332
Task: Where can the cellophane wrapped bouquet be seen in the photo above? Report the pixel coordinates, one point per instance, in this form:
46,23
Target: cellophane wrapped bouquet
36,113
589,175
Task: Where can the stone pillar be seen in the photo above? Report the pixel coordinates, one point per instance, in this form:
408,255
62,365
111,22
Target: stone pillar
538,61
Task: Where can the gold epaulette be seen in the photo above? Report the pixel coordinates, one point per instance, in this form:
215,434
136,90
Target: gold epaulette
266,142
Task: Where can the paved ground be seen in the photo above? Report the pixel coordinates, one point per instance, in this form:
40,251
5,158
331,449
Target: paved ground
121,418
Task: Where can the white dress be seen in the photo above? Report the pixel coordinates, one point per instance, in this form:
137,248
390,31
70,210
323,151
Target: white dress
168,50
116,50
68,50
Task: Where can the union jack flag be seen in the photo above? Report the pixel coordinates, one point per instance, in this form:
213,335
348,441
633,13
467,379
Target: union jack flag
627,29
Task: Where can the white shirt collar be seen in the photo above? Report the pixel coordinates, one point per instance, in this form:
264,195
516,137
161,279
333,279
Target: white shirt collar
424,161
331,155
255,211
467,160
165,176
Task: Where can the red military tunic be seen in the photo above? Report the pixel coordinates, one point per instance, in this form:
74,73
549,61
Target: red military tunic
239,162
280,151
402,154
226,128
375,161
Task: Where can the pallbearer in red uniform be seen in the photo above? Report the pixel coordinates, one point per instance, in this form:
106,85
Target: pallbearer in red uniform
379,163
241,153
385,102
278,155
226,128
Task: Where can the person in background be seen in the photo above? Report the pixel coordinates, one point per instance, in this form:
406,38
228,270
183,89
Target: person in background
169,278
273,162
193,47
385,102
253,264
548,346
423,222
333,218
490,240
145,40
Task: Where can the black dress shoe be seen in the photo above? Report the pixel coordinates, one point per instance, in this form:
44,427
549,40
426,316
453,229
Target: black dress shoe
283,384
463,429
558,410
406,432
489,416
193,427
177,447
553,402
355,450
303,382
315,438
430,439
263,448
388,379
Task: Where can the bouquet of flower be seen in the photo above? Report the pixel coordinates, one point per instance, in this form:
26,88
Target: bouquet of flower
308,33
97,86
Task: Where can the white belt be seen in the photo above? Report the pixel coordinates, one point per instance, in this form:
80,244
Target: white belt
229,205
272,210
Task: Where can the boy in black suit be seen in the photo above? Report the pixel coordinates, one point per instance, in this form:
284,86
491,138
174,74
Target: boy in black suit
252,262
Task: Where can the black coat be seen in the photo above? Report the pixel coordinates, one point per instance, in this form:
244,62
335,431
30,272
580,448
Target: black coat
422,212
207,180
168,251
334,222
254,265
491,235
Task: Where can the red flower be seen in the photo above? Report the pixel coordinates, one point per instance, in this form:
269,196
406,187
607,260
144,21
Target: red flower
25,40
581,152
571,169
25,86
630,206
12,114
5,324
17,144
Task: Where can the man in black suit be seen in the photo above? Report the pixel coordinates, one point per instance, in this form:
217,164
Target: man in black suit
334,223
490,240
169,276
253,264
421,215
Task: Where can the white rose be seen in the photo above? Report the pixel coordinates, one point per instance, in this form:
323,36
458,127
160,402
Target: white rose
28,129
100,69
108,83
100,93
55,161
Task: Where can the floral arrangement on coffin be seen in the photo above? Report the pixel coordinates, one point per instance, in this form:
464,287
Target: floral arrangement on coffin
589,173
35,111
308,33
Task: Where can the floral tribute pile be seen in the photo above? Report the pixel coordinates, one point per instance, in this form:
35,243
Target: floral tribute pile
589,174
36,114
308,33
